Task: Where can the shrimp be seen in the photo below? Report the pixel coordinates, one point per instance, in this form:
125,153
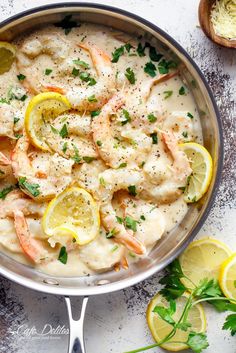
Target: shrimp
7,114
180,124
50,47
112,181
113,153
94,97
55,177
170,188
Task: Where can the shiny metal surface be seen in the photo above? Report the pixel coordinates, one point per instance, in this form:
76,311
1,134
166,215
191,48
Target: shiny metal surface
172,244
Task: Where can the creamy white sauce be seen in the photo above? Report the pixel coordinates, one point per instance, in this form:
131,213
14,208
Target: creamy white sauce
102,253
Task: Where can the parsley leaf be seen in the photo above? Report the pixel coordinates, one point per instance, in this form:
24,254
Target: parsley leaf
164,66
47,72
154,56
81,63
150,69
5,191
230,324
15,120
152,118
126,116
120,51
21,77
64,147
119,220
197,341
75,72
111,234
166,313
132,190
76,156
33,189
130,223
167,94
67,24
92,98
185,134
182,91
88,159
154,138
129,74
63,255
190,115
63,132
122,165
141,49
95,113
99,143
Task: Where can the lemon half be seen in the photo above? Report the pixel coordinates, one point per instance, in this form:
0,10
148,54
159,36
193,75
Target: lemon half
202,259
72,212
7,56
227,277
201,164
42,109
160,328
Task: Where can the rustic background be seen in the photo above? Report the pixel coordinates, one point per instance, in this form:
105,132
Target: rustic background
116,322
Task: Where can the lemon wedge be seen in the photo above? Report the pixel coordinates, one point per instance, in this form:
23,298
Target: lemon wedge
160,328
7,56
201,164
227,277
41,110
202,259
72,212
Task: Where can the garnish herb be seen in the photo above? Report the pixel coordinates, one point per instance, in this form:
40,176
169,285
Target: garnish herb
185,134
150,69
182,91
17,136
33,189
190,115
64,147
95,113
152,118
119,220
120,51
132,190
16,120
5,191
130,223
92,98
111,234
63,132
85,76
154,56
99,143
67,24
154,138
75,72
81,63
88,159
21,77
102,181
164,66
167,94
208,290
142,217
141,49
4,100
116,247
47,72
122,165
63,255
76,157
129,74
126,116
54,130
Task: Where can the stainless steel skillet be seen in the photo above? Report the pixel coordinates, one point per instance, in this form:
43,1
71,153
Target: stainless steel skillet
171,244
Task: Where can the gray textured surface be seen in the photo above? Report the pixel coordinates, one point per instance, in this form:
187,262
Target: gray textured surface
116,322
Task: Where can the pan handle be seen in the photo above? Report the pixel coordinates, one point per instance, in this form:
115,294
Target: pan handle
76,338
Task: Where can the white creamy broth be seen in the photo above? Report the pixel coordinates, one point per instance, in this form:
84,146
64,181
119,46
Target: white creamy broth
125,163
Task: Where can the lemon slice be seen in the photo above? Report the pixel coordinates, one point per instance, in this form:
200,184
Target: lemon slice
202,259
201,164
160,328
227,277
41,110
75,212
7,56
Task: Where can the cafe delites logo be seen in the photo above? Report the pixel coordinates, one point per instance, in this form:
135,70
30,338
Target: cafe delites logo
47,332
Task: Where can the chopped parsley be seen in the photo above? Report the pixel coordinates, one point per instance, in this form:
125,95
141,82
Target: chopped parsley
150,69
16,120
129,74
126,116
102,181
88,159
95,113
64,147
167,94
63,132
54,130
164,66
67,24
132,190
185,134
119,219
81,63
141,49
76,156
33,189
190,115
47,72
116,247
63,255
122,165
154,56
92,98
5,191
154,138
21,77
142,217
99,143
85,76
120,51
130,223
4,100
75,72
182,91
152,118
17,136
111,234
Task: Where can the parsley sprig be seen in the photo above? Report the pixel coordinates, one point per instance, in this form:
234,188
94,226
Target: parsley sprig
208,290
